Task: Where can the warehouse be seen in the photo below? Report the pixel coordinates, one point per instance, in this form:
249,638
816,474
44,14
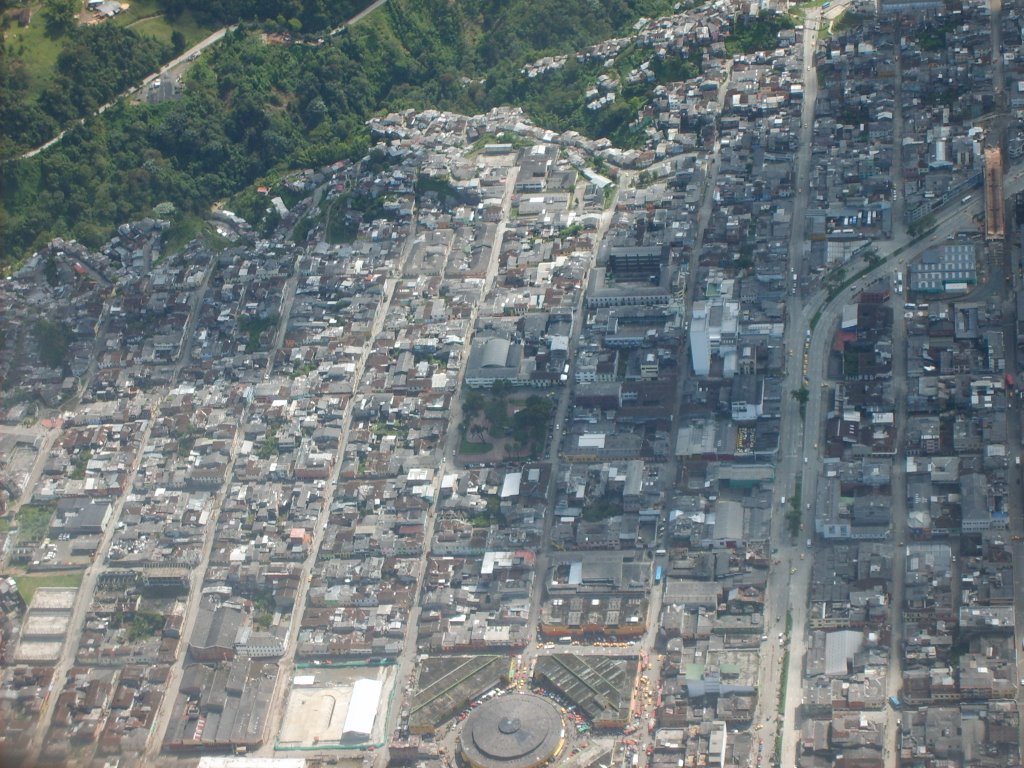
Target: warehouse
362,710
601,686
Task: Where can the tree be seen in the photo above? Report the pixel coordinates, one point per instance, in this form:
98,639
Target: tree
177,41
59,16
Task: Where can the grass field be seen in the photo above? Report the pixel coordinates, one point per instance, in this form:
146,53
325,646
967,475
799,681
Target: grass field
186,229
27,585
467,448
33,522
38,52
146,19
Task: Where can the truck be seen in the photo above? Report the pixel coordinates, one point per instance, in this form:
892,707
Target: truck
894,702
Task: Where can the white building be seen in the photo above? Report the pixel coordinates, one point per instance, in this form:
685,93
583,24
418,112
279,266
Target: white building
714,329
362,710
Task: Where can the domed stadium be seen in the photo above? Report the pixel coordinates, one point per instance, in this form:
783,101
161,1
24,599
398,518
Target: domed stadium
518,730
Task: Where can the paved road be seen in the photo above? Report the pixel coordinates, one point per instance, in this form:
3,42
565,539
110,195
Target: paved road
198,574
543,560
369,9
896,254
99,565
177,65
405,670
786,591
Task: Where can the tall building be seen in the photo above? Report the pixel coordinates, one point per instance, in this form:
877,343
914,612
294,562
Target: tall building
714,329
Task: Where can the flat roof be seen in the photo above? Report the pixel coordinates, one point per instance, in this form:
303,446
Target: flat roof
54,599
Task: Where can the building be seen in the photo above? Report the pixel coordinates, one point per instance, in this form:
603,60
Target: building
947,268
80,516
518,730
213,637
362,710
601,686
599,294
747,397
909,6
713,332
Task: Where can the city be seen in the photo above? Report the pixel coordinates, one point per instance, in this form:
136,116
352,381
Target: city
509,447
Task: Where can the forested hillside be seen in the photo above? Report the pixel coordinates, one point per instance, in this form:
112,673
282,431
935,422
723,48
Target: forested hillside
250,107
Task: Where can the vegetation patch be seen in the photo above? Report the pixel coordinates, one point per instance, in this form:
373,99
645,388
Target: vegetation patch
467,448
33,522
28,584
52,342
250,109
759,33
254,327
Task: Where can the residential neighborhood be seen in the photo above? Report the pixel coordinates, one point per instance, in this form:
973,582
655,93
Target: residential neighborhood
511,447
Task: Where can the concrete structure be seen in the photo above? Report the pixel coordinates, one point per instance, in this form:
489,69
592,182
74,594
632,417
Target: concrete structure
995,213
601,686
908,6
512,731
449,683
945,268
713,331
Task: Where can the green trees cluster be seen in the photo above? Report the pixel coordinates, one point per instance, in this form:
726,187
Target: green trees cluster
759,33
52,342
97,63
249,107
304,15
59,16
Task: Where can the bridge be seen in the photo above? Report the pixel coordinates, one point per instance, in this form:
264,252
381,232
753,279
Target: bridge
995,209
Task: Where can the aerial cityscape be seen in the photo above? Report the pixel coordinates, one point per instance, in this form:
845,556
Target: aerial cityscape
473,420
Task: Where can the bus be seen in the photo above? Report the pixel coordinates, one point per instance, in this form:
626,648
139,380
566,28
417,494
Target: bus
657,574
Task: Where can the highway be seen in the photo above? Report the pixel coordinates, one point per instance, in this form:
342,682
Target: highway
789,574
543,560
174,69
895,255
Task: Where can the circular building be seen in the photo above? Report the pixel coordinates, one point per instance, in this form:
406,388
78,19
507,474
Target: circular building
517,730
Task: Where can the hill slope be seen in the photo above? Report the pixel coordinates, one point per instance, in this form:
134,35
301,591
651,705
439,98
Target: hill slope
250,107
